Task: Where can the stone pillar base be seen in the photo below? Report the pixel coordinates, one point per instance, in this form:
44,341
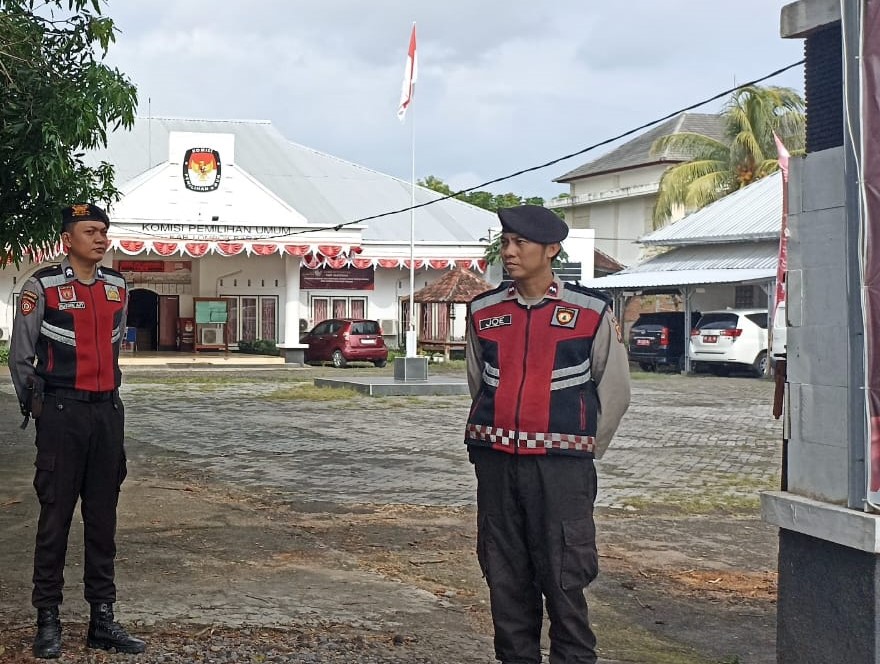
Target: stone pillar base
293,353
827,602
411,368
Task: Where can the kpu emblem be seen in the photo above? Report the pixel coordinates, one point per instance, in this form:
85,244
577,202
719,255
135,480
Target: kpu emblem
66,293
564,317
201,169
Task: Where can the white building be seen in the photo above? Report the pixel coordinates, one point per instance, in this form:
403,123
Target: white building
234,212
615,194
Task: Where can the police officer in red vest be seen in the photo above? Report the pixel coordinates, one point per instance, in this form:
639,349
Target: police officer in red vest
549,378
64,360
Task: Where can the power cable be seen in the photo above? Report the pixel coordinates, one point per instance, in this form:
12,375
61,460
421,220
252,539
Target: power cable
552,162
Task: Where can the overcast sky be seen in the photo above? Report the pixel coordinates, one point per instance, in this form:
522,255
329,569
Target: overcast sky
503,84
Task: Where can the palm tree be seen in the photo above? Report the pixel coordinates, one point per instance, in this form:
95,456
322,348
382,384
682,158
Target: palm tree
752,115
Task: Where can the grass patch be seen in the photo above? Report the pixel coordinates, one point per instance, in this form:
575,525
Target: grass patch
232,379
638,374
725,494
310,392
689,503
620,639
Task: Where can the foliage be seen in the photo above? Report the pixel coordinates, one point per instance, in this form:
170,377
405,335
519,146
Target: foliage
748,153
258,347
493,203
483,199
4,353
57,100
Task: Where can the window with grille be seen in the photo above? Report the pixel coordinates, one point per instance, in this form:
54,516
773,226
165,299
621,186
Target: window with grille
744,297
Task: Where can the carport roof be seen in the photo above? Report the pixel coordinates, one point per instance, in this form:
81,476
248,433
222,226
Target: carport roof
666,279
696,265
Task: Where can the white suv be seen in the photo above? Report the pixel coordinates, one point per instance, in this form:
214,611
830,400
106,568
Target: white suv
729,339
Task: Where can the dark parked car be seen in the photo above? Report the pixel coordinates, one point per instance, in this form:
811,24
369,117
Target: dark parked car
344,340
658,339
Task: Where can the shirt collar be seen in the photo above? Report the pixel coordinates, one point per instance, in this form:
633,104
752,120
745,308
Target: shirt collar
69,273
554,291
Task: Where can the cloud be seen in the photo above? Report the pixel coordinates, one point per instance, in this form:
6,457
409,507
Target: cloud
503,85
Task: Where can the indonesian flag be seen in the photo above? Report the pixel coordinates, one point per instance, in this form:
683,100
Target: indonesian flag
410,74
782,156
782,258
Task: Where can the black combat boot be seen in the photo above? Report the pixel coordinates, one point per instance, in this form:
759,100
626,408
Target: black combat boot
47,644
107,634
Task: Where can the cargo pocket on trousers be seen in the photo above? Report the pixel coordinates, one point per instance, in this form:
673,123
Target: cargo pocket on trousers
580,561
44,478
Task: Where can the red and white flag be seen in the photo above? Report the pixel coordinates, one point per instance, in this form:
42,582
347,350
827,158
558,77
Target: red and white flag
782,156
782,258
410,74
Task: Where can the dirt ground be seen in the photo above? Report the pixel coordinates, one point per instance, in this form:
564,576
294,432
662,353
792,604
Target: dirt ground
206,560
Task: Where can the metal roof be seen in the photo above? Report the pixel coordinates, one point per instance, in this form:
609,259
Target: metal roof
751,213
628,281
324,189
738,256
707,264
637,152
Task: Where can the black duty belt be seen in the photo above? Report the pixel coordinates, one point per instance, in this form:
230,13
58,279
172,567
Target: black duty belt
79,395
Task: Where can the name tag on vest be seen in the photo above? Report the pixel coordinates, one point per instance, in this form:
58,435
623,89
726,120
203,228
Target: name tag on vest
496,321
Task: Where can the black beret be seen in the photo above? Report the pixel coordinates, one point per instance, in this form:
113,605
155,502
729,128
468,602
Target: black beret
83,212
533,222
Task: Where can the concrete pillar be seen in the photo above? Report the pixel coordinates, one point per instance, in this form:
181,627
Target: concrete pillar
829,545
291,349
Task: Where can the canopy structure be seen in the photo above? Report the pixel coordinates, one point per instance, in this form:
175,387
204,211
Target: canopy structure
459,285
438,310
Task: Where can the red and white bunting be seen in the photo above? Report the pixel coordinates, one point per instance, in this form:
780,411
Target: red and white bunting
313,256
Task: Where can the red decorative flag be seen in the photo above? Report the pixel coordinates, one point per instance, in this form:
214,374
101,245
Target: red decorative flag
782,155
410,73
782,262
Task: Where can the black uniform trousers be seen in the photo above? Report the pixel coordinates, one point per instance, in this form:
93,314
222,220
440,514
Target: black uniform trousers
536,536
80,455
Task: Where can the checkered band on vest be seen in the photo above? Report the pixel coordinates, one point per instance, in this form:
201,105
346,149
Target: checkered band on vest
530,440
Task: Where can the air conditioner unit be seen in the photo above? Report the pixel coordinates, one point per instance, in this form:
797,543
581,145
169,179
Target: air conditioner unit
211,336
388,325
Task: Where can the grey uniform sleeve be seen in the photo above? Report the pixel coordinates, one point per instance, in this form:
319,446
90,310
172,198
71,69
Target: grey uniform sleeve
123,321
25,332
610,367
474,359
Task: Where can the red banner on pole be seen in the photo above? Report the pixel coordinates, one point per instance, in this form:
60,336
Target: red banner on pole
870,183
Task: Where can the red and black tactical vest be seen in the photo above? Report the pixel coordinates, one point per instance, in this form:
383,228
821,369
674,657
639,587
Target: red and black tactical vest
78,346
536,393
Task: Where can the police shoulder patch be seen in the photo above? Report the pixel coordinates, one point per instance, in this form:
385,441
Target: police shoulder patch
27,302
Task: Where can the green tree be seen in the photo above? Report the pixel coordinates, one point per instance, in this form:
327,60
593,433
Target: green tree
57,100
748,153
493,203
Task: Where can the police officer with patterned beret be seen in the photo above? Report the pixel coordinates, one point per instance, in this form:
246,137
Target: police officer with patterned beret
64,360
549,378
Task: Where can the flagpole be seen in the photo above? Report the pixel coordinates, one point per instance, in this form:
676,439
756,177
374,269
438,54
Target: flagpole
411,333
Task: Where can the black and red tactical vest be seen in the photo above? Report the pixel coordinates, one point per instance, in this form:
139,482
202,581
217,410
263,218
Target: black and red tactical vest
536,393
78,346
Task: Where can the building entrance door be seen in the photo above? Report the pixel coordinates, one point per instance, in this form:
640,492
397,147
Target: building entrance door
169,308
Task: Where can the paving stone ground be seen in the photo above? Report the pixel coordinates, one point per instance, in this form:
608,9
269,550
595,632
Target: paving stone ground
688,443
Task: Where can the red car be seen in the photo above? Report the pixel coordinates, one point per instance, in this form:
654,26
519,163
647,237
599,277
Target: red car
344,340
